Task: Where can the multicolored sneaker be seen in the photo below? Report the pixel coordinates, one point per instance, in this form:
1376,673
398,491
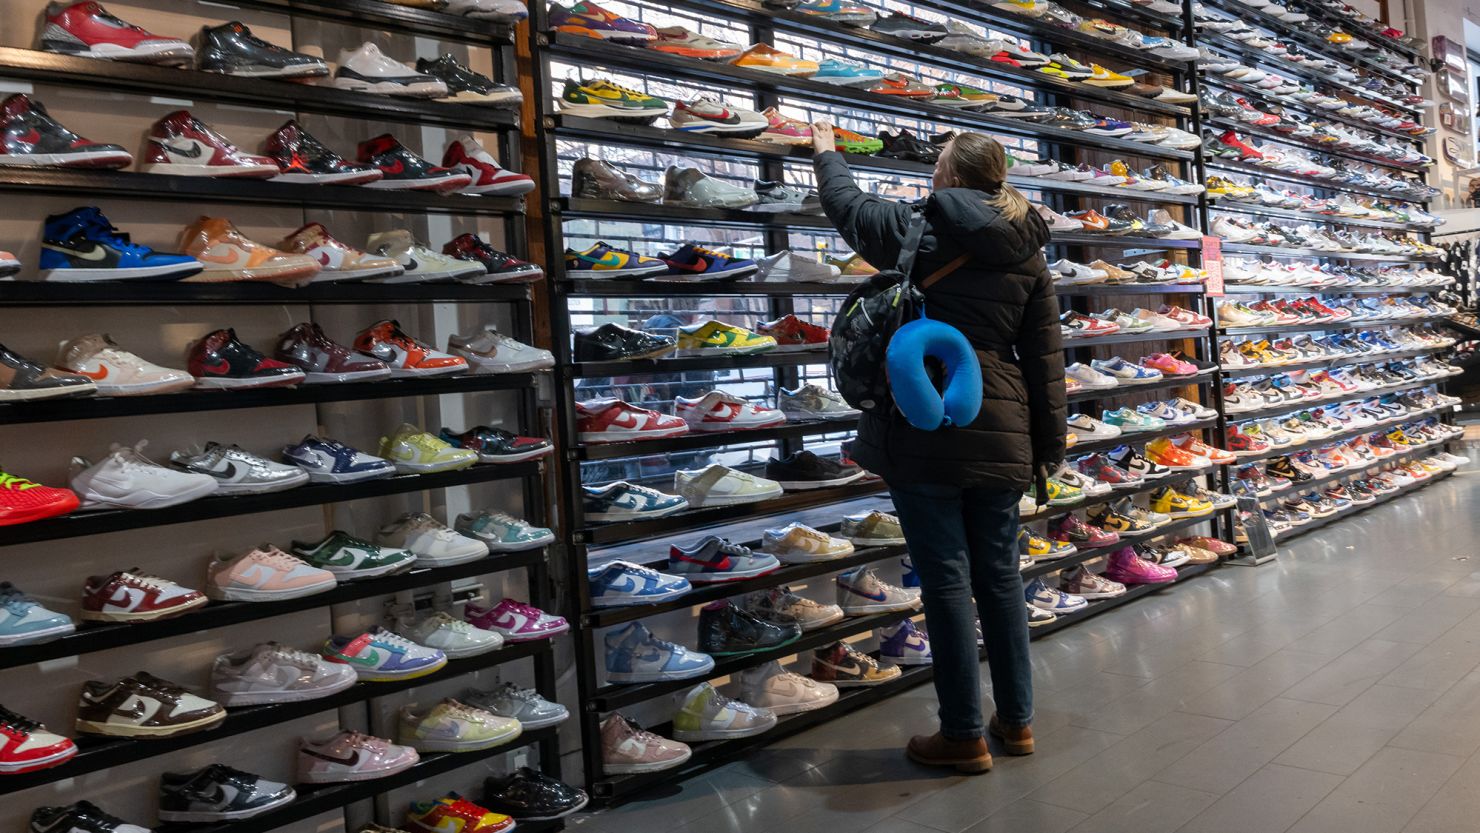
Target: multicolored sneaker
381,656
698,263
712,338
1038,594
1037,548
846,667
602,99
904,644
453,726
502,532
604,261
1088,585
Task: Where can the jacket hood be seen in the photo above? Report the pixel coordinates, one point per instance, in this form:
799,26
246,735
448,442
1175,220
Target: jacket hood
963,217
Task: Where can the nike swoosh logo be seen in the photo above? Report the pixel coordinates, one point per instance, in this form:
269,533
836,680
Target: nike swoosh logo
192,153
219,367
97,375
30,137
97,252
393,170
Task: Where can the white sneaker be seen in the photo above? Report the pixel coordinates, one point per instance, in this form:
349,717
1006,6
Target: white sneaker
1070,272
418,263
1073,477
791,267
815,402
1089,378
431,541
453,637
126,479
1057,221
1089,428
117,372
506,10
490,351
369,70
1232,232
772,687
801,544
1180,231
718,485
719,410
861,592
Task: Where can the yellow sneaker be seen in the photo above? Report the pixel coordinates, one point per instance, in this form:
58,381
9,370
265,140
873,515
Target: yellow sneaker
414,451
1107,78
768,58
712,338
1222,187
1169,501
1030,8
1038,548
852,266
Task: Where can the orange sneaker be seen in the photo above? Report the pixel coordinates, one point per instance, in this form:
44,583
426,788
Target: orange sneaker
1162,451
1192,445
407,357
1092,219
768,58
229,256
899,84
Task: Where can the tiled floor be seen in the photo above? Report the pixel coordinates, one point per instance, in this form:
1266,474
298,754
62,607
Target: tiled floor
1335,689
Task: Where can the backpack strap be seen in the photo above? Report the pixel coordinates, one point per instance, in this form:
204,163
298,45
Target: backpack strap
944,271
911,245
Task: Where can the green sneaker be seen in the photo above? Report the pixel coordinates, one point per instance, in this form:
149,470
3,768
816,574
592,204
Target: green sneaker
501,532
1128,323
1129,419
1062,494
347,557
602,99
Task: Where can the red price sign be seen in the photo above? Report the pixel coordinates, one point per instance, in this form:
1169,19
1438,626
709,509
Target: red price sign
1212,263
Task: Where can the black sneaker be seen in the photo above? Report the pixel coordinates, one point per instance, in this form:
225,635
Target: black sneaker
467,86
232,49
615,343
501,266
304,159
910,28
905,145
30,136
805,470
221,360
402,170
527,795
726,630
1282,467
1135,225
22,380
82,817
495,445
218,793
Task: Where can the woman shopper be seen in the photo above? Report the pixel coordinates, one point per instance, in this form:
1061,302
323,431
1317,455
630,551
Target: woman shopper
956,490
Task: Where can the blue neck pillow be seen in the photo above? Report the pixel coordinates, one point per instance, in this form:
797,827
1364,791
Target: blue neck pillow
915,393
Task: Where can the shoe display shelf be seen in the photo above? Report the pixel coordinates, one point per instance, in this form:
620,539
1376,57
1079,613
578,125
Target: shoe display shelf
1325,326
598,300
24,295
1329,362
1226,205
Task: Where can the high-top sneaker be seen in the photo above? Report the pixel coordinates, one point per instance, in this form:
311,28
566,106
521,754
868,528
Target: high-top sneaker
302,158
30,136
182,145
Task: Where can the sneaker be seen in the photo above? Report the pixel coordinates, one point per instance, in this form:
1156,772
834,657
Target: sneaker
727,630
23,621
406,356
273,673
805,470
402,170
339,261
324,361
381,656
679,40
712,338
453,726
453,812
468,87
800,544
495,445
238,472
143,706
813,401
328,461
501,532
414,451
692,262
83,246
860,592
765,58
780,604
603,261
126,479
714,559
622,501
264,574
528,795
31,137
489,351
594,179
182,145
85,29
516,621
218,793
721,411
302,158
708,715
498,266
872,529
692,188
623,584
1126,566
1088,585
522,704
615,421
626,749
634,655
1057,602
368,70
782,692
418,263
350,558
844,666
718,485
589,20
220,360
228,255
487,175
351,756
904,644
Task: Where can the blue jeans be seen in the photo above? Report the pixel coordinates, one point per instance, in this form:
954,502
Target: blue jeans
963,543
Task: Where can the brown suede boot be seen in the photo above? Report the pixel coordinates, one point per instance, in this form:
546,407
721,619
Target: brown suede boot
937,750
1017,741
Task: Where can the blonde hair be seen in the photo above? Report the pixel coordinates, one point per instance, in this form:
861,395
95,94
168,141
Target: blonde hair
977,161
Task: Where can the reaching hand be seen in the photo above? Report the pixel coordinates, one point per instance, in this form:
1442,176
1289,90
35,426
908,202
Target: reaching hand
822,136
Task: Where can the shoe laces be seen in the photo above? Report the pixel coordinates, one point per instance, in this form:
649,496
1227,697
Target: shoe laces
274,557
15,483
294,655
13,600
144,581
613,86
17,722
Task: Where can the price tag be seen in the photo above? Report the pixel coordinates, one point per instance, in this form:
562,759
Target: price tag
1212,263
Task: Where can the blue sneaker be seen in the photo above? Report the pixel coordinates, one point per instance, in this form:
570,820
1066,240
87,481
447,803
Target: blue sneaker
1164,412
501,532
904,644
23,620
697,263
838,11
622,583
909,578
327,461
82,245
714,560
846,74
634,655
623,501
1057,602
1126,373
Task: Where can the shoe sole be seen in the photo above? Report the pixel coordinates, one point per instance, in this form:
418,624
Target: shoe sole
971,767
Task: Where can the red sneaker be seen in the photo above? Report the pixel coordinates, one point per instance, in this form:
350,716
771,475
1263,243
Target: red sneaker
87,30
30,136
131,596
1249,114
499,267
402,170
222,361
454,813
406,356
792,334
23,501
182,145
615,421
489,177
1100,468
1245,150
1243,445
26,745
1075,530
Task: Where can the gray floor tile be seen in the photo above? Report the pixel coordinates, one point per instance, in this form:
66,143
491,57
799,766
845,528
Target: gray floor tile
1340,681
1165,694
1240,750
895,824
1269,801
1149,808
1358,730
1439,664
1238,696
1450,725
1429,622
1455,807
1096,783
1027,815
1348,630
1383,795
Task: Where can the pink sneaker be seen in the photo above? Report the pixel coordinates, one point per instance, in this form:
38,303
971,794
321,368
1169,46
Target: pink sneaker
626,749
351,756
1168,365
785,131
1186,317
518,622
1074,530
264,575
1128,567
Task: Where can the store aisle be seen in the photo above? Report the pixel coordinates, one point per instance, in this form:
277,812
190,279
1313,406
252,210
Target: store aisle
1337,689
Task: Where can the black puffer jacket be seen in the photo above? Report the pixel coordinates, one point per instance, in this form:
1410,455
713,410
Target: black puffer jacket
1003,301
